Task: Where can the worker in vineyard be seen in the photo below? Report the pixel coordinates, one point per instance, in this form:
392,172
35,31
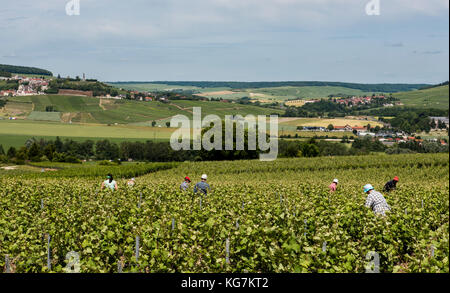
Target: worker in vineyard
185,185
131,182
376,200
333,185
202,186
109,183
391,185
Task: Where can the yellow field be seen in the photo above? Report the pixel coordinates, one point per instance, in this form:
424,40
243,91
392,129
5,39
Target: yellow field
325,122
295,103
337,134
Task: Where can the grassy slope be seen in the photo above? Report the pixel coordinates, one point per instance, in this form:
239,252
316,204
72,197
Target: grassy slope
221,109
437,97
15,133
89,110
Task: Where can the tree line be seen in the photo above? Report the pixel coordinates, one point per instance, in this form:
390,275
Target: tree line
24,70
74,152
9,85
315,148
97,88
331,108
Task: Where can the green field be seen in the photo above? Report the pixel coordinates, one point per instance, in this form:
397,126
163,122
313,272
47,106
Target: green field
221,109
45,116
437,97
108,111
260,217
15,133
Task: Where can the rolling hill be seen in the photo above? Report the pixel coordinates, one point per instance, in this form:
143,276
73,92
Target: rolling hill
268,92
110,111
24,70
434,97
80,118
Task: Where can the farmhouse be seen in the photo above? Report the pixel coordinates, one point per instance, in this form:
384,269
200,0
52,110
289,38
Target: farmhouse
359,128
343,128
349,128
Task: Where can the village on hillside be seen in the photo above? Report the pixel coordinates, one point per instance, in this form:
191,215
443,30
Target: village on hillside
28,86
31,86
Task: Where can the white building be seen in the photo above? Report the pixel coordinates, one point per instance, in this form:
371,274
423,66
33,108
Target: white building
364,134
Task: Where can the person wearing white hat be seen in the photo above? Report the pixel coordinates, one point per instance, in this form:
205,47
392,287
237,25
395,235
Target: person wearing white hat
376,200
333,185
202,186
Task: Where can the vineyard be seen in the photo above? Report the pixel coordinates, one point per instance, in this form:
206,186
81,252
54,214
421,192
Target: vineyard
260,217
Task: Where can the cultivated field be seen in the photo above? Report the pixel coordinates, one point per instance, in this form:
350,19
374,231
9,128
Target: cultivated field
45,116
326,122
15,133
295,103
260,217
104,111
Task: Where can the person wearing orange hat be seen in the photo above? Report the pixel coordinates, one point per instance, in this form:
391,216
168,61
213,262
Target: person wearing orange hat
391,185
185,185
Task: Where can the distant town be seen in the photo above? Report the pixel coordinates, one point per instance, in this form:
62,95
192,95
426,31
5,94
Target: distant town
28,86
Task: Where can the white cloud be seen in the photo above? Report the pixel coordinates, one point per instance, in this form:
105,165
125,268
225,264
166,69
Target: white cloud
167,32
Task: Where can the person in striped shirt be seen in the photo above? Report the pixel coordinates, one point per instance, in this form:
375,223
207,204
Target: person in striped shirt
376,201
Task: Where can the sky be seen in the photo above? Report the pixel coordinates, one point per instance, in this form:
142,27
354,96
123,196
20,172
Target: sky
230,40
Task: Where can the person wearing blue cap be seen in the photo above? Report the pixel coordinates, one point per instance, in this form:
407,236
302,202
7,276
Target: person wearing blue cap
376,200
